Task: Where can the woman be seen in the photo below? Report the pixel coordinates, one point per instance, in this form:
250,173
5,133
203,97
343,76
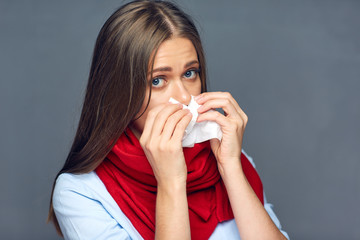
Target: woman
127,175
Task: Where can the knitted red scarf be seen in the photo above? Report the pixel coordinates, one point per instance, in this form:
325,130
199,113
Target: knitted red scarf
129,179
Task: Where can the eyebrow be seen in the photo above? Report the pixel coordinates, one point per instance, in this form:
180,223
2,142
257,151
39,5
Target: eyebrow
169,69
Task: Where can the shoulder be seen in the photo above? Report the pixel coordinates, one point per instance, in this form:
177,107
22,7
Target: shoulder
71,187
85,183
76,180
86,210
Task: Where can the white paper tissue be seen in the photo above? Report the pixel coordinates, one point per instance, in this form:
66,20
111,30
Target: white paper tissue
198,132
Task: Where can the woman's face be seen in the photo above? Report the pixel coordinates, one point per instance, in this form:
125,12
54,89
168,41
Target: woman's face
175,74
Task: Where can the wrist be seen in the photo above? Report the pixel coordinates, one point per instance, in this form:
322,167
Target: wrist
231,168
171,187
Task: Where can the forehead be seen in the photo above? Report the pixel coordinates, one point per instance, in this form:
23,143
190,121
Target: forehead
175,51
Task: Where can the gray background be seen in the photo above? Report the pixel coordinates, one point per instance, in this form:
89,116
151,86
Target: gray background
293,66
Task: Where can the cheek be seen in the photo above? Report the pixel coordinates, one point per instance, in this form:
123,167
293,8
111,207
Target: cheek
140,122
194,88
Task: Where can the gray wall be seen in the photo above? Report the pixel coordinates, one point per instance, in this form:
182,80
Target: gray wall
293,66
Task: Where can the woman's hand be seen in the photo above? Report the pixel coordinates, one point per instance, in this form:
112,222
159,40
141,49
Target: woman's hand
233,123
161,140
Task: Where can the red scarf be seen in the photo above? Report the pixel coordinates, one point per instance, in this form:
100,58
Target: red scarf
129,179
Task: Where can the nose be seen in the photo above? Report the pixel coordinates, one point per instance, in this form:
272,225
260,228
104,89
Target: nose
180,93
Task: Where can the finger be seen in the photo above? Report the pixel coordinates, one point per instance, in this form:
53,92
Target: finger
150,119
171,123
214,116
224,103
202,98
181,126
162,117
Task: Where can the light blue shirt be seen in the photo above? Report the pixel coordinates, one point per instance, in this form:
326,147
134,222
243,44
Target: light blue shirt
86,210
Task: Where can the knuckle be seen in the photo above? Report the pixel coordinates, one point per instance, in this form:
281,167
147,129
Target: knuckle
184,122
184,112
204,105
181,124
227,94
147,146
173,118
170,120
217,114
162,147
142,141
150,145
246,119
241,125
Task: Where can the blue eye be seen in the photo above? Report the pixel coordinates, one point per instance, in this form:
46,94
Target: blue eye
190,74
157,82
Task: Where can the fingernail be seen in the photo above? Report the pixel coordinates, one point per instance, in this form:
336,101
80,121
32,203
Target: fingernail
197,97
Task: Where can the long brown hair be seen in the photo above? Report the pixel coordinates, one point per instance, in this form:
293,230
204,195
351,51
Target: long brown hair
117,82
